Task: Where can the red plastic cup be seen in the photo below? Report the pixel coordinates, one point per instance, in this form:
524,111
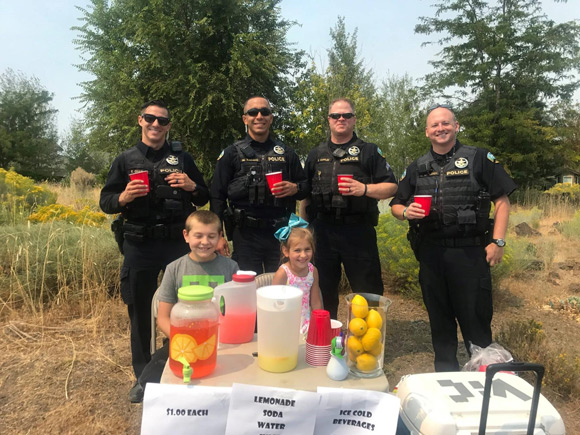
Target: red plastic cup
319,332
273,178
342,177
143,175
425,202
335,327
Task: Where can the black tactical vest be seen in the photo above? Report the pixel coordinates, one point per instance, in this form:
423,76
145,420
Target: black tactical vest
163,204
249,184
326,198
454,189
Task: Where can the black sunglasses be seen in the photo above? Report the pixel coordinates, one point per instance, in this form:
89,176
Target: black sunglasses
265,111
338,115
150,119
436,106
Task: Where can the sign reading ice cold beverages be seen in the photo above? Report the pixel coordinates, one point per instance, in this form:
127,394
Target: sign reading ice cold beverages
271,411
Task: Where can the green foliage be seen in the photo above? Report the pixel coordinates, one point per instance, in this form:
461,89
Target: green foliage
531,216
396,255
28,137
19,196
505,62
48,262
565,192
571,228
203,57
79,152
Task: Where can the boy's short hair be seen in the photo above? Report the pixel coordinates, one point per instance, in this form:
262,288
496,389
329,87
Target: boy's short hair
205,217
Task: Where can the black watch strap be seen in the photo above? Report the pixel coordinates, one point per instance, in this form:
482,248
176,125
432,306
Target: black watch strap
499,242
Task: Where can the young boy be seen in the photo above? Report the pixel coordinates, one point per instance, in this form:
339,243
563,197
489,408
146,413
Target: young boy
202,266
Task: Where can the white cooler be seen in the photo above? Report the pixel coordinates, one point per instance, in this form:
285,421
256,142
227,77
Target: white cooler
451,403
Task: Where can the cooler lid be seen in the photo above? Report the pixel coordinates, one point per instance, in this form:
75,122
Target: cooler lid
450,403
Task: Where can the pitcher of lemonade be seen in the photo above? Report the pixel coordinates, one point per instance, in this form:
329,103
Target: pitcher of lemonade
194,324
279,310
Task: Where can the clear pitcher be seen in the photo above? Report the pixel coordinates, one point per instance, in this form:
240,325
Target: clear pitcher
366,328
238,315
279,310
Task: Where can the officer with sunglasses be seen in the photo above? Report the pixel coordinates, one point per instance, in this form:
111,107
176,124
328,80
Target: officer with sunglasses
240,195
155,185
455,242
344,212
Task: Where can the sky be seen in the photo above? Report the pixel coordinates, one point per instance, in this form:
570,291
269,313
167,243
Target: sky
37,39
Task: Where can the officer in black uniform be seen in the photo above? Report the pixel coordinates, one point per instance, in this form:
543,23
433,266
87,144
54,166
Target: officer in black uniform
240,195
456,243
343,215
150,233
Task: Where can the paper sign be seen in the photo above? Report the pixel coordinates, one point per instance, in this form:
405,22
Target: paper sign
353,412
177,409
256,410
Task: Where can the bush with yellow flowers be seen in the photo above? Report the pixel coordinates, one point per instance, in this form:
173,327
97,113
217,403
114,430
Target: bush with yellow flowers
59,212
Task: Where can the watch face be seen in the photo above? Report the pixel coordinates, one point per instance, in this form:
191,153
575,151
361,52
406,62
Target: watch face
499,242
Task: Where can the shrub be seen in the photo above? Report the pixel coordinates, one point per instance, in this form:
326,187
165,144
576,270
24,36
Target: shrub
571,228
397,257
565,192
81,179
56,262
19,196
65,213
531,216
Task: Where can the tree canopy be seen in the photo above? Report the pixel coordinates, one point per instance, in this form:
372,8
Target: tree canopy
203,57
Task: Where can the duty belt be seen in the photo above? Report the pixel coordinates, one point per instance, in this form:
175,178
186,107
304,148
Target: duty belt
138,233
457,242
262,223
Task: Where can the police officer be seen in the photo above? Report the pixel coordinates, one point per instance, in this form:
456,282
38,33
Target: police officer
344,214
240,195
154,218
452,243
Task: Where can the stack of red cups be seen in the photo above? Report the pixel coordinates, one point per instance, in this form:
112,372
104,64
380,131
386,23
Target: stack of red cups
318,338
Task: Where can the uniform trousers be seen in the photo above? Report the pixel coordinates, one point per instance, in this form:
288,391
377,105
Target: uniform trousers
456,287
256,249
353,245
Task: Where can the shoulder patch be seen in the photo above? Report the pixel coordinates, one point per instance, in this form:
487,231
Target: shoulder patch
380,151
491,157
221,154
403,176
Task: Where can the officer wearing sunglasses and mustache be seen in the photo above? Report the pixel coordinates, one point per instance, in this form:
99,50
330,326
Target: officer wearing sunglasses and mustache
343,214
240,195
154,216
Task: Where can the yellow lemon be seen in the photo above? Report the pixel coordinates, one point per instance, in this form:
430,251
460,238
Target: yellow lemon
377,350
359,306
183,345
357,326
374,319
354,346
206,349
366,362
371,338
352,356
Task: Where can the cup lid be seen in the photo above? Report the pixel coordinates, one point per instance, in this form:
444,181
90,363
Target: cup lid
195,293
244,276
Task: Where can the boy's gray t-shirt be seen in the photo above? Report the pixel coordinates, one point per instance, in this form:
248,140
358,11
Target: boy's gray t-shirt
185,271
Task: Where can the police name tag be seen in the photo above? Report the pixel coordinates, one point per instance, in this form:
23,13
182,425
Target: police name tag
268,411
352,412
176,409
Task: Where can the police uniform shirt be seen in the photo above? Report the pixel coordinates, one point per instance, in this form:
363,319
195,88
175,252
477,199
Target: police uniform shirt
372,161
487,171
229,164
118,178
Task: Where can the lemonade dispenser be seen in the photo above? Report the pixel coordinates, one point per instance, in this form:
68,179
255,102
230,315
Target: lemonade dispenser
238,315
194,322
279,309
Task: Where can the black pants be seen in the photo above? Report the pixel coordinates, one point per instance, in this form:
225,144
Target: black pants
355,246
456,286
256,249
154,368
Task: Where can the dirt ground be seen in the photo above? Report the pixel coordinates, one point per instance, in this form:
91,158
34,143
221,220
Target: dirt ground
63,373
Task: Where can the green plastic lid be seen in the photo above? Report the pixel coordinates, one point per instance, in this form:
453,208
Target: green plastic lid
195,293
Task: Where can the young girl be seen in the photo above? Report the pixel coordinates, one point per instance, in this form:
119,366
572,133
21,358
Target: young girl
297,246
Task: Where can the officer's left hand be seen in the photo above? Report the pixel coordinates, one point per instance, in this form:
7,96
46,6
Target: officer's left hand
284,189
351,187
493,254
182,181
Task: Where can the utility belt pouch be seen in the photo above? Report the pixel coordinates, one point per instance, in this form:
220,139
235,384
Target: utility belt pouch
239,217
171,204
117,229
414,240
483,209
229,223
134,232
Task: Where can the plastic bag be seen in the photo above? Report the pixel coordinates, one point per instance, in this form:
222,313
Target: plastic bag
482,357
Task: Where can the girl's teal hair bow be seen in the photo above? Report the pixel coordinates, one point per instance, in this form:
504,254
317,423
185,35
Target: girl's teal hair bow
294,222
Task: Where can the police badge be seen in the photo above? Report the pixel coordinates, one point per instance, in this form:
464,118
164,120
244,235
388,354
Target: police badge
278,150
354,150
461,163
172,160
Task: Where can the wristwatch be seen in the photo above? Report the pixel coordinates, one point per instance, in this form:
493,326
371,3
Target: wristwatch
499,242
